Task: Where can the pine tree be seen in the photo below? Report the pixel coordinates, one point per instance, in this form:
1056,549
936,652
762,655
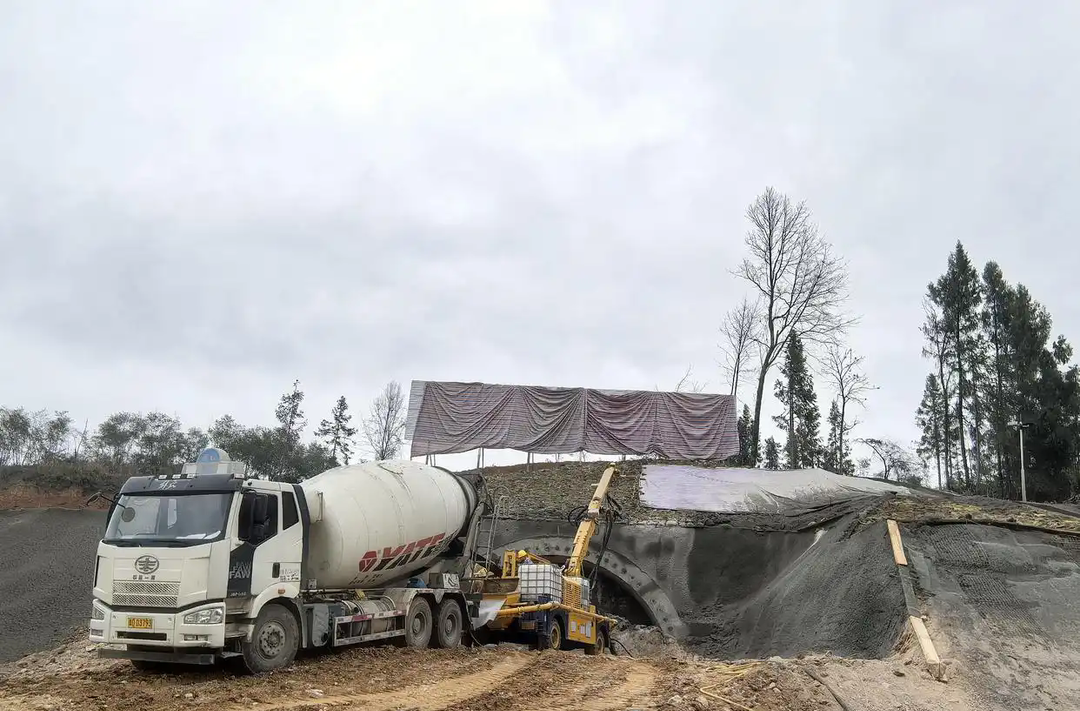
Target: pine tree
772,454
938,348
929,419
336,433
800,415
958,294
745,427
836,456
996,364
996,324
830,459
291,424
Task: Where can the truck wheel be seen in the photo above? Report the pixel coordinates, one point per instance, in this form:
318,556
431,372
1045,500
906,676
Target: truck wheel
601,645
418,624
553,639
448,630
274,641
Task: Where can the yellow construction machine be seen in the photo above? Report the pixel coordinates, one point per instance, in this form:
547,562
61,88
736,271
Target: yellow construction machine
539,602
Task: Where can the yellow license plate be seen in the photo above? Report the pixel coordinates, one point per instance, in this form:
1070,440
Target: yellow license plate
141,623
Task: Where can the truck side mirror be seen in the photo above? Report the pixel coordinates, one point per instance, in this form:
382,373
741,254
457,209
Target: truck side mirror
246,519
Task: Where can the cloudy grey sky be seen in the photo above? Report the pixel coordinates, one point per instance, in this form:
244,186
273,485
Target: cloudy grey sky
201,201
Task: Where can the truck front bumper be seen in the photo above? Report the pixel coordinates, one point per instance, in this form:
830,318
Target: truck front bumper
185,633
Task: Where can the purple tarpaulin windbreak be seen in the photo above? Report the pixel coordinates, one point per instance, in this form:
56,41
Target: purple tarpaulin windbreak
446,418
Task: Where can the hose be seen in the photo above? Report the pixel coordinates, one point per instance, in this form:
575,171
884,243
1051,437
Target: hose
835,694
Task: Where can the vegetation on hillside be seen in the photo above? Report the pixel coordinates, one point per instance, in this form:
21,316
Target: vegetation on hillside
996,367
49,452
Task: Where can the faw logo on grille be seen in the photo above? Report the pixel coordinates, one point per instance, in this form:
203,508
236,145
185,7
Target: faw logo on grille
146,564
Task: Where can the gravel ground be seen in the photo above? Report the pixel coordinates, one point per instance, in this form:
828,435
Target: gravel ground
46,576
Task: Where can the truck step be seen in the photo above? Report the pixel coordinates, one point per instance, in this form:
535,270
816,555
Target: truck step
368,637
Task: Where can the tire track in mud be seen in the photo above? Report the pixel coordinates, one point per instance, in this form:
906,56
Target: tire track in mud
636,685
423,697
565,682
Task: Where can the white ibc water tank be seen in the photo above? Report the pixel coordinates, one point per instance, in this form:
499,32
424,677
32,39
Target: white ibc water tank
382,521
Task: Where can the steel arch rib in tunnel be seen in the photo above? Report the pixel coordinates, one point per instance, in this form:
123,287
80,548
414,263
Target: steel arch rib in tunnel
646,591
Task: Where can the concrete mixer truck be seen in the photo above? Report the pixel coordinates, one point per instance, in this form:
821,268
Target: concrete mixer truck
211,564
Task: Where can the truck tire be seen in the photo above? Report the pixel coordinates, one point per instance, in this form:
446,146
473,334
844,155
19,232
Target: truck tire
448,628
601,645
418,623
554,637
274,641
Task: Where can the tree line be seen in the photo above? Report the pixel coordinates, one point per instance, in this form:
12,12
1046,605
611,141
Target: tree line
794,320
996,368
157,443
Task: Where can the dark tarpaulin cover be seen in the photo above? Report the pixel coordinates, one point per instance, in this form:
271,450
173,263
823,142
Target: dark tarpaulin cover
448,417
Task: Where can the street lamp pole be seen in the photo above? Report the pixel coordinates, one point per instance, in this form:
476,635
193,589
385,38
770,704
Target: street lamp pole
1023,473
1021,425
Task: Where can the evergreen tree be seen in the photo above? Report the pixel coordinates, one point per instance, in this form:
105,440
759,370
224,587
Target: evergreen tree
745,427
336,433
996,324
772,454
996,366
929,419
291,423
800,415
958,295
836,457
938,348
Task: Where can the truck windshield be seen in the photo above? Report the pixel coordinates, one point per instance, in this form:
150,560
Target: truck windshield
185,519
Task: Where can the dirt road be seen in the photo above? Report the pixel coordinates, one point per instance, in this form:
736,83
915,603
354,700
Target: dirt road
501,679
374,679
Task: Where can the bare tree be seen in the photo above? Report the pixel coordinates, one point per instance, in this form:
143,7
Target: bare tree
844,369
801,285
894,458
385,424
685,384
741,330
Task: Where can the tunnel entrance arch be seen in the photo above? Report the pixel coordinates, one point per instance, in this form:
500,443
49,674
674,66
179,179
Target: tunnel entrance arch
640,585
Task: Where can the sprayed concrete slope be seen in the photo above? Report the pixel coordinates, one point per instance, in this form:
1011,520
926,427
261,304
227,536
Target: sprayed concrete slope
1005,607
734,593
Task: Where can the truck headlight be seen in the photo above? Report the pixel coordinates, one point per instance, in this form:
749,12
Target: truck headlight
96,613
213,616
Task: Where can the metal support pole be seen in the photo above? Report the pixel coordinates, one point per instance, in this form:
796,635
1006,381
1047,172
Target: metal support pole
1023,472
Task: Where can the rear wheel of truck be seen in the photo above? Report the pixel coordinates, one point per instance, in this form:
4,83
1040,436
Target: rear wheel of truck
418,623
601,644
273,643
448,628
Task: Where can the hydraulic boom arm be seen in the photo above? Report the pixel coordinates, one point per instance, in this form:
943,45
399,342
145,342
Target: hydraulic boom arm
587,527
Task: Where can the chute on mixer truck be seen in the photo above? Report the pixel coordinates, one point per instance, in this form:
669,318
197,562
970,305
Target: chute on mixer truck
210,564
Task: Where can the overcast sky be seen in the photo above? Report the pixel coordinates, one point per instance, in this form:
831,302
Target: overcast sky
201,201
